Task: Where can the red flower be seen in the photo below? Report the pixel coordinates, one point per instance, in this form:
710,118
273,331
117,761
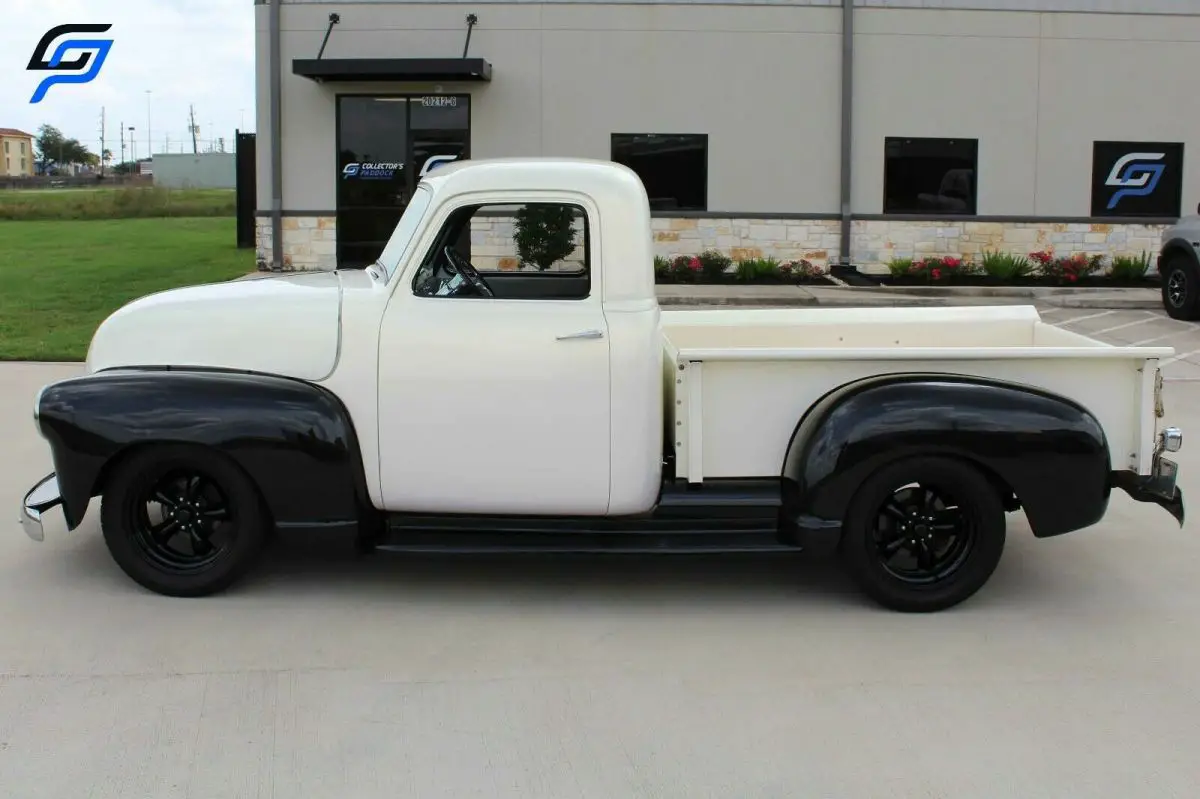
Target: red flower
951,263
1072,277
937,274
694,264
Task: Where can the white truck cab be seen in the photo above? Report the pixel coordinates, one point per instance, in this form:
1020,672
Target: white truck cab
442,399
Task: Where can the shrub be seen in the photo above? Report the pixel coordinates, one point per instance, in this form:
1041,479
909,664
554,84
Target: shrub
544,233
800,270
1068,269
757,268
686,268
662,267
1130,267
713,264
933,270
1006,266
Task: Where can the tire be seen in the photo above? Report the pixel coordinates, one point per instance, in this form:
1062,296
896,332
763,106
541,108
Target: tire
219,525
960,550
1181,288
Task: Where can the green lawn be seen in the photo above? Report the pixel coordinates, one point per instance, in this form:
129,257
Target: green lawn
115,203
59,280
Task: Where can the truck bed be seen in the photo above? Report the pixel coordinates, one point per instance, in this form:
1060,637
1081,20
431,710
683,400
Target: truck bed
737,381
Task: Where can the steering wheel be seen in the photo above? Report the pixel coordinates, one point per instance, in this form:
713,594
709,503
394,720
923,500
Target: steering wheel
464,268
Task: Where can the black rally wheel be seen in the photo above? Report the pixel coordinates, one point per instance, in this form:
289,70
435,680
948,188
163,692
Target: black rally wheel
182,520
923,534
1180,288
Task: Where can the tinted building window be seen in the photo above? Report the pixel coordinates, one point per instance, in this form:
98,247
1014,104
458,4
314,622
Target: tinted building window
930,176
673,167
1137,179
385,145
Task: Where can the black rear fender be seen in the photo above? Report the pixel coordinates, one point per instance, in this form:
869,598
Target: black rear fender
1047,450
294,439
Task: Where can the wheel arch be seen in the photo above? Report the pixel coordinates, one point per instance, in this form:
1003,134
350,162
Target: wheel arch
1182,247
295,440
1041,451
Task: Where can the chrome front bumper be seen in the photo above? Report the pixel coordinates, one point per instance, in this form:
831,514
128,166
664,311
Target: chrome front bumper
41,498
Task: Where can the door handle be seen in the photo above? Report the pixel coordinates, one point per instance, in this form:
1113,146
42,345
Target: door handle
581,334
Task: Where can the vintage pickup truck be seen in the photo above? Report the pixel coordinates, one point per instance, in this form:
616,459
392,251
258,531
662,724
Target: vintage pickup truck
423,404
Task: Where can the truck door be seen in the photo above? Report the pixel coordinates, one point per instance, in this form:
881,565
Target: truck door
494,365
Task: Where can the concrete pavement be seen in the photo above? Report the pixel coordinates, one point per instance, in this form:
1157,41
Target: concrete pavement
1072,674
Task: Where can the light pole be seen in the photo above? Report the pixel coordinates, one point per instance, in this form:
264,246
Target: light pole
132,144
149,133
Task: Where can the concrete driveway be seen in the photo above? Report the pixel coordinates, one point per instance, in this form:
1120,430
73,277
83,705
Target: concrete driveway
1073,674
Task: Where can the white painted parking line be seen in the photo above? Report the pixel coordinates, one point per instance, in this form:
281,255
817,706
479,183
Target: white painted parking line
1149,318
1161,338
1185,355
1084,317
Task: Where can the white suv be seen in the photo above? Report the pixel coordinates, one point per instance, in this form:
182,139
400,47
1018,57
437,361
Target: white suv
1179,266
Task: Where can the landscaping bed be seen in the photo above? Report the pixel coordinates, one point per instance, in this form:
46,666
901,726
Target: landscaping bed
714,268
1040,268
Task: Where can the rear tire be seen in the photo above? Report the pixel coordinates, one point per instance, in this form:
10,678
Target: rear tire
923,534
183,520
1180,288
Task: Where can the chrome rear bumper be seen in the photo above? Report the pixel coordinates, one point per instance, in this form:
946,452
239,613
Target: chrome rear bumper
41,498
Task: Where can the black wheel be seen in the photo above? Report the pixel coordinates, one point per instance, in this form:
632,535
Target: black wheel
1180,288
182,520
923,534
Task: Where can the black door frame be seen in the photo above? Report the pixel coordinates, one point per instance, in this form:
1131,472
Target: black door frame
412,179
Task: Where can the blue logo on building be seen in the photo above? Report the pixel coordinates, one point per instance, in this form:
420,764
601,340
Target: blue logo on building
1135,175
373,171
82,69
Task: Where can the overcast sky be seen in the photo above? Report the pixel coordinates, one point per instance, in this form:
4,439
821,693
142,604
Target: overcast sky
185,52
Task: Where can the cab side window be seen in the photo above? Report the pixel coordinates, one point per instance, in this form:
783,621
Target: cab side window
531,251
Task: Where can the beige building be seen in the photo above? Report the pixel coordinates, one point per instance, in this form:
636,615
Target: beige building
16,153
795,128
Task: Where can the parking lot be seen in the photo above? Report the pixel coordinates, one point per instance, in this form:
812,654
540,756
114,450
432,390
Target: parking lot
1072,674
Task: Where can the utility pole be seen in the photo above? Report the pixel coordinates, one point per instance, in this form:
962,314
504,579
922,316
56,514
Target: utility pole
149,131
122,142
101,141
192,126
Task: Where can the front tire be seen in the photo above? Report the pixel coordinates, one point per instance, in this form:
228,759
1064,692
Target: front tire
923,534
182,520
1180,288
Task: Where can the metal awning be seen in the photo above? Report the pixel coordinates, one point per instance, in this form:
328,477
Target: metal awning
393,69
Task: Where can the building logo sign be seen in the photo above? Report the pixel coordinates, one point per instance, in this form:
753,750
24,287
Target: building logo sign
386,170
383,170
1137,179
81,69
434,161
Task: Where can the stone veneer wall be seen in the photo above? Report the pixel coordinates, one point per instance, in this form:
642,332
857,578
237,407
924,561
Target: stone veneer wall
309,243
873,243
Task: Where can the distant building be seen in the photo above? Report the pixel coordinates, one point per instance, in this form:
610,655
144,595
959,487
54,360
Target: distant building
16,153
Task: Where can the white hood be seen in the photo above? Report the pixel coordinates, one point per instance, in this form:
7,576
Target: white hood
281,324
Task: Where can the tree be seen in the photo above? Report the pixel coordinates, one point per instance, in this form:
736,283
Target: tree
544,233
54,148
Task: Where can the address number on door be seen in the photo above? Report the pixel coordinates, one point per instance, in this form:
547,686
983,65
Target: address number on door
440,101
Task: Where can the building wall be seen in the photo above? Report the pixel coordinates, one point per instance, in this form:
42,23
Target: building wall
1035,82
11,155
195,171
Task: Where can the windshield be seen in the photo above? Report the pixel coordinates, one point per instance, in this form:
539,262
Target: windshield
397,246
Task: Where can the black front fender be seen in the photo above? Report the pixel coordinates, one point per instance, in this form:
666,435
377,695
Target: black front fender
1048,450
294,439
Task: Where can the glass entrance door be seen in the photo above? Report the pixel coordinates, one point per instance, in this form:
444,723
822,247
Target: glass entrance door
385,145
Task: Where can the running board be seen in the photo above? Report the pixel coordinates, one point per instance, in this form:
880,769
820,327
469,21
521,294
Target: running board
741,516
